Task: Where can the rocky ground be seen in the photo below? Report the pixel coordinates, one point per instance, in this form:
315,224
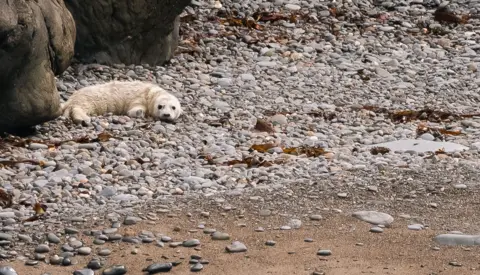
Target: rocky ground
319,87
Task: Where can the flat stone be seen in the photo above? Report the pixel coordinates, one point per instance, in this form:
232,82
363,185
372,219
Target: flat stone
220,236
31,262
416,227
6,237
94,264
270,243
196,267
236,247
315,217
85,271
131,220
84,250
374,217
104,252
292,7
324,252
191,243
53,238
71,230
295,223
55,260
7,214
115,270
159,267
457,239
376,229
42,248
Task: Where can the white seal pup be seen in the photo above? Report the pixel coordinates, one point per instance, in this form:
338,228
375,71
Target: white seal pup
131,98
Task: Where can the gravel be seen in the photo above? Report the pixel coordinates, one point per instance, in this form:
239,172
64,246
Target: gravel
310,84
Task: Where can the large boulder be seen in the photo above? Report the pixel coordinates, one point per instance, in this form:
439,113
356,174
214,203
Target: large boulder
36,43
126,31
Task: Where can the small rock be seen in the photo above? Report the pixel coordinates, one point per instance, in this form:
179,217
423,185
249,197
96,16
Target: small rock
31,262
115,270
71,231
42,248
191,243
85,271
416,227
220,236
235,247
457,239
295,223
66,261
104,252
270,243
292,7
196,267
94,264
315,217
376,229
131,220
159,267
324,252
84,250
374,217
55,260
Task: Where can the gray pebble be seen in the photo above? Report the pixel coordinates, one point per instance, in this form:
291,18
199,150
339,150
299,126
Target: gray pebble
42,248
324,252
159,267
235,247
94,264
53,238
104,252
315,217
415,227
270,243
85,271
457,239
55,260
191,243
376,229
71,231
131,220
84,250
374,217
7,270
220,236
115,270
196,267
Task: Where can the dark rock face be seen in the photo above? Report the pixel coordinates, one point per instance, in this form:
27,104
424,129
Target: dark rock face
36,43
126,31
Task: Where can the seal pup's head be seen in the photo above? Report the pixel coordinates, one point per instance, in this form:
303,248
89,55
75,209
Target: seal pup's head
167,107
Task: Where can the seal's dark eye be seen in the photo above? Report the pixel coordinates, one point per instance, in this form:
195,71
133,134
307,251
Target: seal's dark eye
173,107
160,107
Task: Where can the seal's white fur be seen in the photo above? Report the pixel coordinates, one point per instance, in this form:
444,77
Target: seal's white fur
131,98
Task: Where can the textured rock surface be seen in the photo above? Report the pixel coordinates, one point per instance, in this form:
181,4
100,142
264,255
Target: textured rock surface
36,43
130,32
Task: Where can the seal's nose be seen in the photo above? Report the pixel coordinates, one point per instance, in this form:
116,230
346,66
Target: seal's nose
166,115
